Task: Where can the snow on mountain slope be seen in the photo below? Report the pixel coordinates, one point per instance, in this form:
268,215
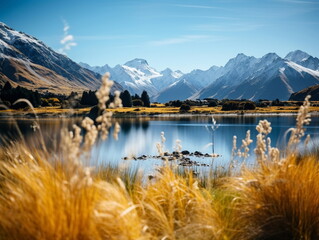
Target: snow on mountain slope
179,90
142,66
201,78
302,69
136,76
267,80
297,56
303,59
30,63
100,70
167,78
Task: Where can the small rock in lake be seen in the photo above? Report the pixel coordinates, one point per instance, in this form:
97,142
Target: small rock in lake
204,165
185,152
198,153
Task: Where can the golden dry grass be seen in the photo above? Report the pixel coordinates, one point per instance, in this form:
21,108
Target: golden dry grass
278,201
47,110
56,196
159,109
42,200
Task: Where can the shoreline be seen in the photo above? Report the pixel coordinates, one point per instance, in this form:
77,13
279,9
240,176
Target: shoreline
76,113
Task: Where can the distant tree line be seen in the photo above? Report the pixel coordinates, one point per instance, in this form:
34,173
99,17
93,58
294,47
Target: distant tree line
9,95
89,98
238,105
204,102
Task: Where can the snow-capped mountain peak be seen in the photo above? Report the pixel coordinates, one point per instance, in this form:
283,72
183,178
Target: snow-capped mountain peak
167,71
137,63
10,36
297,56
270,57
239,60
170,72
28,62
141,65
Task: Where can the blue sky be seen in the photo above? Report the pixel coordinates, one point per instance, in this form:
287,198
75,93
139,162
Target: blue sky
180,34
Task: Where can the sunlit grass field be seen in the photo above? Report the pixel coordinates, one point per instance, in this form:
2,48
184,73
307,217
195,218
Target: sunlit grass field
158,109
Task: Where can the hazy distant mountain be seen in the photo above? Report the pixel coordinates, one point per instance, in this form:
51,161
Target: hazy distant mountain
100,70
303,59
313,91
179,90
167,77
201,78
269,77
28,62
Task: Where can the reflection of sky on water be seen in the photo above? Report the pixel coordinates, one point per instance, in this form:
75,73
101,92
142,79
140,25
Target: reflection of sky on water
194,136
139,136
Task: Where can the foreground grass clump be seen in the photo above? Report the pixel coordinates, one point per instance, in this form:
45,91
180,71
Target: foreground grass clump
174,207
40,201
279,201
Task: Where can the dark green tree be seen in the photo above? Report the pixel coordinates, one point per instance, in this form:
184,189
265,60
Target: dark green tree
89,98
11,95
138,103
146,99
184,108
7,86
126,99
136,96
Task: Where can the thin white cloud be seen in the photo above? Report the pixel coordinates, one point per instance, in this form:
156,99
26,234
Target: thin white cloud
66,27
183,39
68,40
105,37
227,27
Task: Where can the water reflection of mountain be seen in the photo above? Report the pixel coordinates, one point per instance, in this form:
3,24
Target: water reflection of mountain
140,135
50,130
128,124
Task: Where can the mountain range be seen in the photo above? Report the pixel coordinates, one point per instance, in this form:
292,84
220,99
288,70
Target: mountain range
28,62
243,77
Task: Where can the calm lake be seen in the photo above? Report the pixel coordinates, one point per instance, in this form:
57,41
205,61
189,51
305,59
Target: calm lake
139,136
